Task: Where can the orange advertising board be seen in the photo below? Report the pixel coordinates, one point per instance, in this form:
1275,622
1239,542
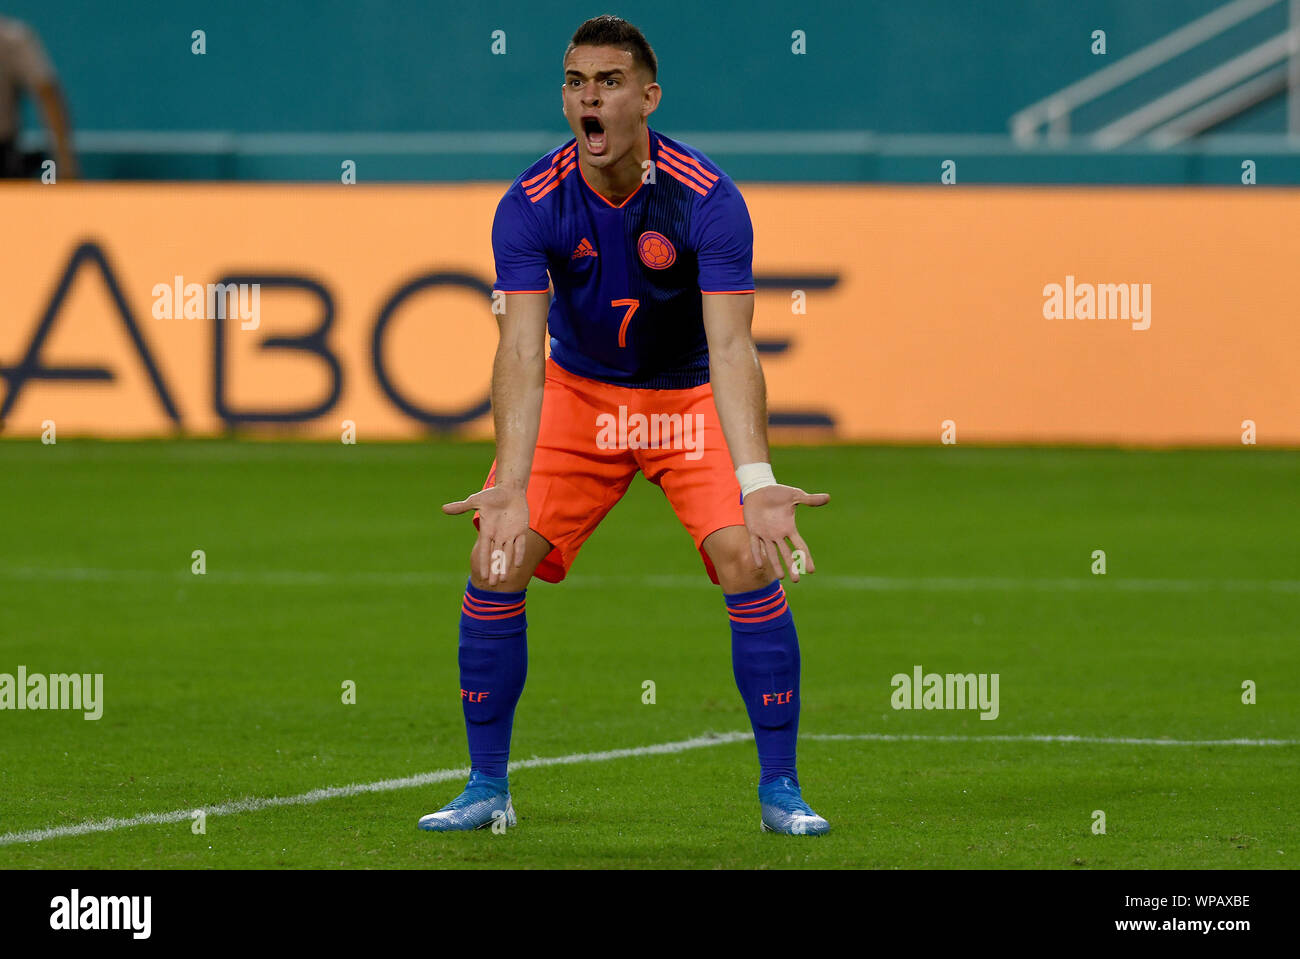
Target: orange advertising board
1145,316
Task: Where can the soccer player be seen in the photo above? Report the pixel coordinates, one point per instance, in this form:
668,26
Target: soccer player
653,368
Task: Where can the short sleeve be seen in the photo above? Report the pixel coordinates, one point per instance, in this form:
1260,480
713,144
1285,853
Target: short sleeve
724,241
518,248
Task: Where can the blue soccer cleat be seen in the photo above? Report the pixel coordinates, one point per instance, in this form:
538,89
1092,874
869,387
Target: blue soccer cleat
484,801
784,810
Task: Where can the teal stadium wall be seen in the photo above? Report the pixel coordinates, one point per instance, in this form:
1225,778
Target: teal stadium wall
287,88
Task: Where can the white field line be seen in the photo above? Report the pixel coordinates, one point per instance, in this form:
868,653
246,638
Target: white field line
357,789
408,578
445,775
1099,740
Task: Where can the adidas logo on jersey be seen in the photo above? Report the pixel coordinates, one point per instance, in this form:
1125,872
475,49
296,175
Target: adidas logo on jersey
584,249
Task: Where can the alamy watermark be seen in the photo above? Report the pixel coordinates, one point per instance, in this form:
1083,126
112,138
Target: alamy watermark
1098,301
83,691
922,690
215,301
76,912
639,431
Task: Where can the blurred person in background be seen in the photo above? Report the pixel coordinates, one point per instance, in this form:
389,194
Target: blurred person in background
25,67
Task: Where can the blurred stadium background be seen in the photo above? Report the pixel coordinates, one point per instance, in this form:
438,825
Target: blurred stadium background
917,176
884,93
923,304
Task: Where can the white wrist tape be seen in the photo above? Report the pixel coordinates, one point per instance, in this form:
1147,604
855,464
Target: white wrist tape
754,476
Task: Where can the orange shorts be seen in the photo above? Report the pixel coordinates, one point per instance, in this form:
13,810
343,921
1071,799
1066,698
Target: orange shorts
592,440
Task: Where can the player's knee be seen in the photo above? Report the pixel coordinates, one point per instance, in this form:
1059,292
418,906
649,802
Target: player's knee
516,577
513,583
737,572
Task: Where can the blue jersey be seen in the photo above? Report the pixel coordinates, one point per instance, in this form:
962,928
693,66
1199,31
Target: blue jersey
629,280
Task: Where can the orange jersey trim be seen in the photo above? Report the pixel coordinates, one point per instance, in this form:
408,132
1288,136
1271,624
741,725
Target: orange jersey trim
616,206
619,206
688,171
553,183
560,159
684,160
682,177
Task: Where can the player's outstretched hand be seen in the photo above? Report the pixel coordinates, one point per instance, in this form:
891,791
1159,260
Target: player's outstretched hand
769,517
502,529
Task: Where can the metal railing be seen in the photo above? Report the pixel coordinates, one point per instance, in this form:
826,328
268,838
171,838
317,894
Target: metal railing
1198,105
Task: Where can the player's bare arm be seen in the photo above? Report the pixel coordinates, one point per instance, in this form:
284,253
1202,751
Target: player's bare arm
55,107
518,377
740,394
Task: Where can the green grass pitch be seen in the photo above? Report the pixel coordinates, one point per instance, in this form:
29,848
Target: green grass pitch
329,563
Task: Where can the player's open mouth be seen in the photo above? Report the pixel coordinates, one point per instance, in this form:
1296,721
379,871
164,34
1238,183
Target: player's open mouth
595,135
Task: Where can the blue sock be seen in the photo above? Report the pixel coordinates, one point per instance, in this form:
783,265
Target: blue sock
765,658
493,664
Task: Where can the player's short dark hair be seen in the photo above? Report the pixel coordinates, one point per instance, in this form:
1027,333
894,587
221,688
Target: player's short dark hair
610,31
